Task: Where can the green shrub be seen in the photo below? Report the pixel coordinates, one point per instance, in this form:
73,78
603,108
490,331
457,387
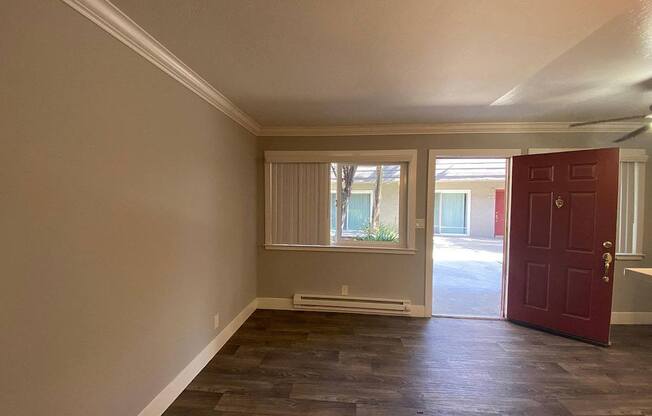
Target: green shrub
383,232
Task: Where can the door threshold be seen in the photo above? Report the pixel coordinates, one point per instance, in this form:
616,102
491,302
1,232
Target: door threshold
476,317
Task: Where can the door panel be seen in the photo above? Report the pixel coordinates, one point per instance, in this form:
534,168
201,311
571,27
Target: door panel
578,282
563,209
537,285
540,220
581,226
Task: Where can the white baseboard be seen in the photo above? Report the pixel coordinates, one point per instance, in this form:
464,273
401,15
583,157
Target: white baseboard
617,318
281,304
631,318
286,304
165,398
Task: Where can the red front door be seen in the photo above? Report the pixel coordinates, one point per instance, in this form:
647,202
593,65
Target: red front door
499,217
563,224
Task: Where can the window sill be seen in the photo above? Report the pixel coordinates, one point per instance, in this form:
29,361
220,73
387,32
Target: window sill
630,257
645,273
341,249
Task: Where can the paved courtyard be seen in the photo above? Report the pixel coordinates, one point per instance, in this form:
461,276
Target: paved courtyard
467,276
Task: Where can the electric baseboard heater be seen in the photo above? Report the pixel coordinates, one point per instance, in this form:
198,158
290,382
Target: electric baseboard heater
351,304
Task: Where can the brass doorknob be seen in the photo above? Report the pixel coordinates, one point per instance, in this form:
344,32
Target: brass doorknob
607,258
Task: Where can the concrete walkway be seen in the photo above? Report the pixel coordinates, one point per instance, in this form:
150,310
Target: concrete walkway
467,276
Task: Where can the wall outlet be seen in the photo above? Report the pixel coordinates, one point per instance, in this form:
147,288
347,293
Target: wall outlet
345,290
216,320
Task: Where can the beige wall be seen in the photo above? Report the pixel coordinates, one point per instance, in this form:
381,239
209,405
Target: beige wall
483,200
127,218
282,273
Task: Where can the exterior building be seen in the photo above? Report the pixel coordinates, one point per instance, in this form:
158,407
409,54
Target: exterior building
361,202
466,192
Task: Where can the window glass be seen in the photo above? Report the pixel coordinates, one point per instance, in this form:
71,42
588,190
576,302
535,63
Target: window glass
359,212
631,189
333,212
370,201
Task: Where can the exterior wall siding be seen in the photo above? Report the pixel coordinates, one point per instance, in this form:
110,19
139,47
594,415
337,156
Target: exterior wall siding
483,199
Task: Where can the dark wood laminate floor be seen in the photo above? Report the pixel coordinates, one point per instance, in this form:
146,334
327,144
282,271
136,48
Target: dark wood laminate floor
311,363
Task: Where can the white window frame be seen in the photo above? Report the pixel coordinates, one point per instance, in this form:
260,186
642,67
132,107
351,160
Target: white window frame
407,206
467,214
626,155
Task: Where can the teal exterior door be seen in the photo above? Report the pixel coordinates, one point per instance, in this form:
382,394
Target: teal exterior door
358,214
451,210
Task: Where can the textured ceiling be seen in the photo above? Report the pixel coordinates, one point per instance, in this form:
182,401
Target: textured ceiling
337,62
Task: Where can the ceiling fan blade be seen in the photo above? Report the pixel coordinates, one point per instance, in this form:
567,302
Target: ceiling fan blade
633,134
607,120
644,85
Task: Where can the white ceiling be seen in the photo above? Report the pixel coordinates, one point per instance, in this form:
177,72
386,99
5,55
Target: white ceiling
341,62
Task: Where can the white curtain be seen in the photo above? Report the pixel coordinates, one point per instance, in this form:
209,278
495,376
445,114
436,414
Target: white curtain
300,203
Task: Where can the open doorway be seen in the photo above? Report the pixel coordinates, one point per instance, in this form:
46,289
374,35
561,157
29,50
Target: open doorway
468,236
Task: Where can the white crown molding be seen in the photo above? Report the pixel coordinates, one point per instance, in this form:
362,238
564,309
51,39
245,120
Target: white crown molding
119,25
446,128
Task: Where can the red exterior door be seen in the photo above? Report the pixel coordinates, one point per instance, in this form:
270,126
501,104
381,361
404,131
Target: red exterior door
563,221
499,217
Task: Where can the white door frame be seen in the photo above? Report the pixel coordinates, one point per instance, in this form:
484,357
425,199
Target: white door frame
433,154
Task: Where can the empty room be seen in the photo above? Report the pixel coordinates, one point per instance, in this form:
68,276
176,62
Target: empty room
325,207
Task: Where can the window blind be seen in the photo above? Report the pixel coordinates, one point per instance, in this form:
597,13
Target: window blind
300,198
631,187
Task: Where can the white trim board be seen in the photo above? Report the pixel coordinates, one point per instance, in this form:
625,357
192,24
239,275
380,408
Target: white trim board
108,17
445,128
165,398
631,318
330,156
286,304
625,154
617,318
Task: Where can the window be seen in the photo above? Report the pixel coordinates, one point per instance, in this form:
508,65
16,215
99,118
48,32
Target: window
631,200
631,196
358,212
340,200
452,211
